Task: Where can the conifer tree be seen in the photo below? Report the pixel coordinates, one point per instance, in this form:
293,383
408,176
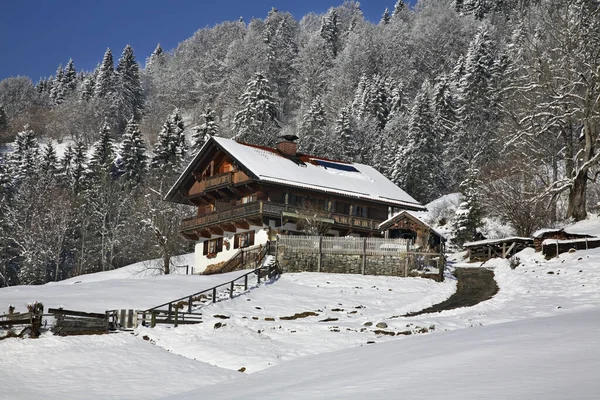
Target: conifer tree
103,155
87,87
468,214
57,93
70,77
133,153
129,95
3,119
257,121
398,8
386,17
105,76
330,31
170,147
49,165
421,157
77,167
22,162
205,131
344,136
475,142
157,60
313,130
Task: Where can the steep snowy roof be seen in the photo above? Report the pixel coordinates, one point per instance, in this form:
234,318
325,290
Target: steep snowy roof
314,173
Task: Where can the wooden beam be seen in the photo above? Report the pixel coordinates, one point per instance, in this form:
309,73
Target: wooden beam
215,230
205,233
241,224
228,227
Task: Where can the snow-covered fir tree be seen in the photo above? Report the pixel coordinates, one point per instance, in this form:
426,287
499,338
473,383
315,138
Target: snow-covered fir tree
105,76
70,77
3,119
469,213
386,17
330,31
128,93
49,166
344,136
157,59
102,158
133,154
170,147
206,130
422,154
257,122
313,131
57,93
22,162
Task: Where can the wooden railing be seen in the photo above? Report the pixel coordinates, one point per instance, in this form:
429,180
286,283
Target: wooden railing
171,313
270,208
224,179
216,217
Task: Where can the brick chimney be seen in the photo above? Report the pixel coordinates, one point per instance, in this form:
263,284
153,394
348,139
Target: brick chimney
287,145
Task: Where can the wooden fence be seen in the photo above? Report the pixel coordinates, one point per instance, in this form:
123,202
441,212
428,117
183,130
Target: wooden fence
346,245
70,322
181,311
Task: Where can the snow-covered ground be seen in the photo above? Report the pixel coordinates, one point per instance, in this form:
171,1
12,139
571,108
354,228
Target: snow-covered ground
536,339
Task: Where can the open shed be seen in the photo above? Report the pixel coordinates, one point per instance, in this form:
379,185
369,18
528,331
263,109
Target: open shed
408,225
557,234
483,250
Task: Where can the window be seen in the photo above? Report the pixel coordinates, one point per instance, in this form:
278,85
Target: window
359,211
213,246
249,199
244,239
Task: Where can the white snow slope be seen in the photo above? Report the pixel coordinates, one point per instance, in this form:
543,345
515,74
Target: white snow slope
536,339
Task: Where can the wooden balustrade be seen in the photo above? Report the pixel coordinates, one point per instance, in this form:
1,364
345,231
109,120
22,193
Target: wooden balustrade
260,208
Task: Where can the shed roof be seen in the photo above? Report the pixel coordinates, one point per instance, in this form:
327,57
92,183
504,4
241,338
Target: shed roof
418,216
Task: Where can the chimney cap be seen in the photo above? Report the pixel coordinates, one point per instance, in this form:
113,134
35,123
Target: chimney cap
289,138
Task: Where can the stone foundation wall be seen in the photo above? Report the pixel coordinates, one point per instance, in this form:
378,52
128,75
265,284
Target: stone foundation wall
340,263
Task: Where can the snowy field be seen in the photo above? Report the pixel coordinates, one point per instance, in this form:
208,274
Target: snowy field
536,339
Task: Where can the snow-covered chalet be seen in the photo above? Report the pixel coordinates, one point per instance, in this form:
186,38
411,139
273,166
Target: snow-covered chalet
245,193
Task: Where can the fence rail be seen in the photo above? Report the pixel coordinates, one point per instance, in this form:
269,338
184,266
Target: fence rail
346,245
190,303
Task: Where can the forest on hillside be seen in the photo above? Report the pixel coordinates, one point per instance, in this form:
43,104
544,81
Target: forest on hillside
497,99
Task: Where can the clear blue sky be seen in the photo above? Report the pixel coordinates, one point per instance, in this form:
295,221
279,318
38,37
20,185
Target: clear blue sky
38,35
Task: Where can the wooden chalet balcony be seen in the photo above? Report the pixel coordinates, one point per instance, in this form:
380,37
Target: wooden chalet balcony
270,209
218,181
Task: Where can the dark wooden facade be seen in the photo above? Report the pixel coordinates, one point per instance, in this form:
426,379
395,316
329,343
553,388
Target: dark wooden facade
228,198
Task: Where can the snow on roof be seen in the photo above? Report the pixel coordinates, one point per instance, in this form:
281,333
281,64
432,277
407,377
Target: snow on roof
419,215
539,233
348,179
497,241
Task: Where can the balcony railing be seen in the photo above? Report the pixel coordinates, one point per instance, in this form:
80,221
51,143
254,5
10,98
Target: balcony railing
272,209
212,182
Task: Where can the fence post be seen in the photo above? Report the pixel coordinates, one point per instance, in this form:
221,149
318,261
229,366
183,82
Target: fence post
320,256
153,319
176,317
364,256
190,305
214,295
245,282
231,291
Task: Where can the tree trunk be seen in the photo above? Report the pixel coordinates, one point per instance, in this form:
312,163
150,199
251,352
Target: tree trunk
577,198
166,262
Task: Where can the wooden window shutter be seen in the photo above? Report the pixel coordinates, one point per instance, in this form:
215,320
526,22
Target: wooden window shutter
251,239
236,241
205,250
219,245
